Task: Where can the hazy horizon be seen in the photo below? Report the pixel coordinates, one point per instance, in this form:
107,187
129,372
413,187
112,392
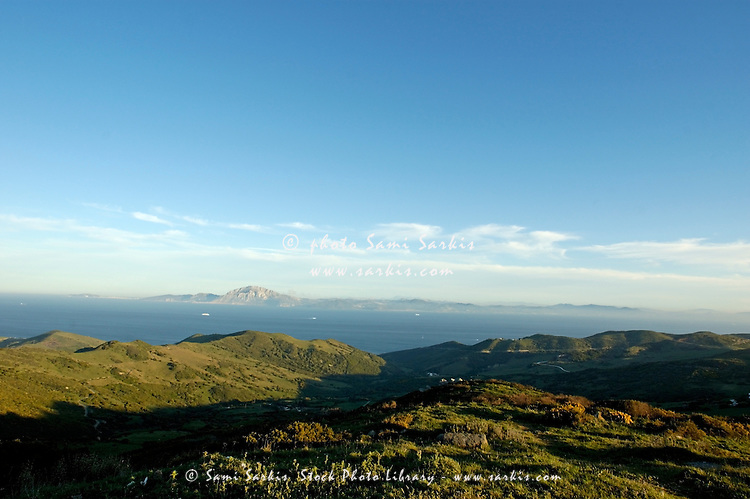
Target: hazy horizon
581,307
375,331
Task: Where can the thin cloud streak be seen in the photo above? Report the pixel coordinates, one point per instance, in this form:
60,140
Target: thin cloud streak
145,217
515,240
299,226
493,231
595,273
106,234
250,227
129,238
397,231
196,221
35,223
734,255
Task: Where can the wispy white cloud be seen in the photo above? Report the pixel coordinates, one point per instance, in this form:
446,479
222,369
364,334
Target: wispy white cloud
482,241
735,255
493,231
145,217
586,273
516,240
196,221
250,227
111,235
124,238
261,255
400,230
299,226
34,223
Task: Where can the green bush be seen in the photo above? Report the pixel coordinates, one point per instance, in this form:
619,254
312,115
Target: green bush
310,433
568,414
687,429
399,420
613,415
294,434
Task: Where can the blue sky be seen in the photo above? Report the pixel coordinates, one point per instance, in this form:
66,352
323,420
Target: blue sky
591,152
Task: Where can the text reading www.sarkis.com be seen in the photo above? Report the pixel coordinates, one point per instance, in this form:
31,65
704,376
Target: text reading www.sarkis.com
387,271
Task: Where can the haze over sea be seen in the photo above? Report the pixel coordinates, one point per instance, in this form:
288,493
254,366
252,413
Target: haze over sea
378,332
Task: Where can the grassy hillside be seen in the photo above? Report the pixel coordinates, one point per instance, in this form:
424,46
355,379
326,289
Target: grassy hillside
136,377
52,340
707,383
572,353
689,367
487,439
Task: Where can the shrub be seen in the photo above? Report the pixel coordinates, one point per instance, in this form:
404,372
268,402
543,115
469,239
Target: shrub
521,400
635,408
687,429
568,414
443,466
488,399
399,420
607,414
310,433
575,399
293,434
720,426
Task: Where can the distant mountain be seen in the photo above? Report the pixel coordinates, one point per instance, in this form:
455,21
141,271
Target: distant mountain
249,295
199,298
260,296
256,295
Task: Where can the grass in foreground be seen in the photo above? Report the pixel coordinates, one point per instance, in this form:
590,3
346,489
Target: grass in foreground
485,439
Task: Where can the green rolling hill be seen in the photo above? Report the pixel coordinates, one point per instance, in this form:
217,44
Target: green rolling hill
53,340
701,366
62,367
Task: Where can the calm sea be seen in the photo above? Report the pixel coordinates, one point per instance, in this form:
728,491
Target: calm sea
159,323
